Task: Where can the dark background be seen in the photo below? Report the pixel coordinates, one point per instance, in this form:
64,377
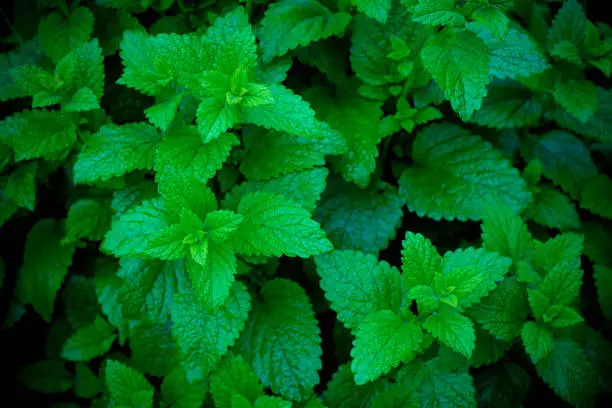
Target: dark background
25,342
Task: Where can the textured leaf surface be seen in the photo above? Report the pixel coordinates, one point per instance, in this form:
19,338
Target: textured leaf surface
234,376
47,376
597,196
382,341
59,36
46,262
452,329
458,61
204,337
281,340
358,285
274,226
363,220
289,24
567,370
116,150
125,383
453,174
90,341
538,341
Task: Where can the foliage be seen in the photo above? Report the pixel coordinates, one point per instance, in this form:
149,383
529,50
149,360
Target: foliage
308,203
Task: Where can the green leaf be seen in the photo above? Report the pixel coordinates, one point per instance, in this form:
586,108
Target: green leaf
89,341
455,172
376,9
178,392
452,329
271,402
214,117
561,285
212,279
275,226
45,265
562,316
596,196
553,209
504,386
437,386
288,113
565,160
32,80
504,232
458,61
89,219
382,341
598,126
220,225
563,248
579,98
603,283
567,370
289,24
127,386
58,36
421,262
150,230
568,25
116,150
48,376
270,154
182,153
82,75
538,341
39,134
153,349
363,220
233,376
358,121
203,336
162,115
21,186
508,105
302,187
281,340
86,384
149,287
357,285
471,274
504,311
342,392
515,55
436,12
492,19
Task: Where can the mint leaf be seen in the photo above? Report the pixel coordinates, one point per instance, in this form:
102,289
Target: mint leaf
203,336
281,340
568,25
568,361
212,279
88,219
289,24
21,186
377,9
46,262
447,155
39,134
596,196
89,341
603,283
233,376
458,62
116,150
59,36
180,393
150,230
357,285
273,226
538,341
127,386
452,329
181,152
579,98
553,209
503,311
363,220
504,232
86,384
437,13
382,341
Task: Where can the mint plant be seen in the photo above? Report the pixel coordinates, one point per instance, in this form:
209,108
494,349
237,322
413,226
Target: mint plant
306,203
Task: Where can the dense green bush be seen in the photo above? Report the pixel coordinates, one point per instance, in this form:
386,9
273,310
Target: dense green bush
307,203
